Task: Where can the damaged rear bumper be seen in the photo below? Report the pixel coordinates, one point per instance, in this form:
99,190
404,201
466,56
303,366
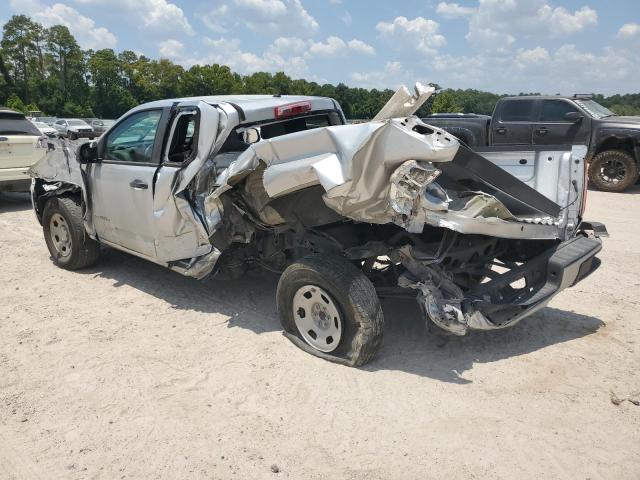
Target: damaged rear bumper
506,297
500,304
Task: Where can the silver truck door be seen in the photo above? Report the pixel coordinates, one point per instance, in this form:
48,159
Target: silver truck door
121,183
178,228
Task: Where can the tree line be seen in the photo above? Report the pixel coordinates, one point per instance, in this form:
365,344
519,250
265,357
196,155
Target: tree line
45,69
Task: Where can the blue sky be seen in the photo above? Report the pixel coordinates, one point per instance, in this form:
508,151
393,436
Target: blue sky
505,46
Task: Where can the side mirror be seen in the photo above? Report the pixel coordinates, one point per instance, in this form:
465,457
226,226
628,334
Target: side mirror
573,117
88,153
251,135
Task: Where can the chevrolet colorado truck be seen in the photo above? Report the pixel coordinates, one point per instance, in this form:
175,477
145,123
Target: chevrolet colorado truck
345,214
613,141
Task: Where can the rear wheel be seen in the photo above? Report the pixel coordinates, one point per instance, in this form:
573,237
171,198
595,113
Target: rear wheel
613,171
69,245
330,309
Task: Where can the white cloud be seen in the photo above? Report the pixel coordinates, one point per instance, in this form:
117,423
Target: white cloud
562,21
332,46
629,30
496,24
536,57
272,17
335,46
421,32
83,28
454,10
565,70
287,45
162,16
361,47
229,52
392,76
156,16
346,18
265,8
171,48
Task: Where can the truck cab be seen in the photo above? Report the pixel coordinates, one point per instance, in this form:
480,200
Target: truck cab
613,142
539,121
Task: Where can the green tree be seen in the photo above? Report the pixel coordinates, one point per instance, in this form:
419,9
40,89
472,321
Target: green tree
19,47
15,103
446,101
109,98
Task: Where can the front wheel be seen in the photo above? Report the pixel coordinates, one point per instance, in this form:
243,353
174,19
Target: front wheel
69,245
73,136
330,309
613,171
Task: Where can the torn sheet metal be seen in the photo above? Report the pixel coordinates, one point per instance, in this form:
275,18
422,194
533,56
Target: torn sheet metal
61,168
353,163
382,172
403,103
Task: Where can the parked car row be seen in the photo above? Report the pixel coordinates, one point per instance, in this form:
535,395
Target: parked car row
75,127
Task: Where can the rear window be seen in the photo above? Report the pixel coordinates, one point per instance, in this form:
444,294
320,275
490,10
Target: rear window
517,111
15,124
234,142
298,125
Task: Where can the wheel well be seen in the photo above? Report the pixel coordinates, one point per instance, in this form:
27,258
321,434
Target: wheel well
41,196
617,143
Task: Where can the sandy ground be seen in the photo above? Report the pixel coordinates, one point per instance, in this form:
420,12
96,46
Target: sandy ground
128,370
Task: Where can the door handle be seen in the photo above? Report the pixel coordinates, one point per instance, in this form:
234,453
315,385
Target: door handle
501,130
139,184
542,131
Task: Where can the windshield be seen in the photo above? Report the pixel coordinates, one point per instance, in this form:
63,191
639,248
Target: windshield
594,109
77,123
41,125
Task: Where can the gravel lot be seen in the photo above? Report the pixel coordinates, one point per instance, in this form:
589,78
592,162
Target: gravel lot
127,370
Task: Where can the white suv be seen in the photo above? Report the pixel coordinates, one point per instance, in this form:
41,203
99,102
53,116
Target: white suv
74,128
19,149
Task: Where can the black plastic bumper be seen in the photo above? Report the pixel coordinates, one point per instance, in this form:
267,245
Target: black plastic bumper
509,297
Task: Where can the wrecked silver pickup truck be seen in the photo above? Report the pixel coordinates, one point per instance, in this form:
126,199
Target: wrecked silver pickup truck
345,213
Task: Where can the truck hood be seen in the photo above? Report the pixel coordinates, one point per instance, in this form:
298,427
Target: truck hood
622,122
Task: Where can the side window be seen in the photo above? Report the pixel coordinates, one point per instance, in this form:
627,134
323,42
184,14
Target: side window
182,144
517,111
132,140
555,110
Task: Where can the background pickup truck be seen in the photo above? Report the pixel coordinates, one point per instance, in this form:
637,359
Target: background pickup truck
613,142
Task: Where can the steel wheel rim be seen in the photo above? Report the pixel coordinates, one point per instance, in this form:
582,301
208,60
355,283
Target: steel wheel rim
60,235
613,171
317,318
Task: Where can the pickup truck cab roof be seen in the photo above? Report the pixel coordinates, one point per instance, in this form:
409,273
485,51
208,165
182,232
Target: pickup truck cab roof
251,108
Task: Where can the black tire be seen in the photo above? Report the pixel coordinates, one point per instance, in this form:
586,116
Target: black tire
73,136
353,294
84,251
603,166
